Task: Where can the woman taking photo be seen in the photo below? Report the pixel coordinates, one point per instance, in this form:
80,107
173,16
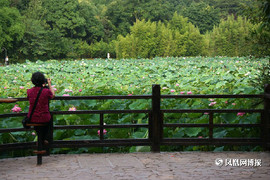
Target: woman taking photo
41,112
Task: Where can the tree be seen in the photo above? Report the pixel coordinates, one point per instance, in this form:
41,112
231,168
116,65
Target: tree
63,15
232,37
123,14
141,42
149,39
21,5
40,41
11,27
202,16
166,42
228,7
120,17
156,10
266,13
259,13
191,41
92,26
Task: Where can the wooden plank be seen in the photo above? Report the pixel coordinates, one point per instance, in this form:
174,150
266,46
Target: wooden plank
214,125
214,141
100,111
156,119
212,96
8,100
101,97
211,110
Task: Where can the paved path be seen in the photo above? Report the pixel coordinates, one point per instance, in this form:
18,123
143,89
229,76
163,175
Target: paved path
141,166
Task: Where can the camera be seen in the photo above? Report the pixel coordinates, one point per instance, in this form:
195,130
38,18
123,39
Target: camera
46,82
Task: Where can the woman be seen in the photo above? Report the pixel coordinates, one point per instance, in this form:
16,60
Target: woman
41,112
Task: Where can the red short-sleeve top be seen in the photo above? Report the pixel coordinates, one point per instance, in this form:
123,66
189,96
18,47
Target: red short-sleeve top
41,113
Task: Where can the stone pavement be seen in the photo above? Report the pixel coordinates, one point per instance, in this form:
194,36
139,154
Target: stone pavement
141,166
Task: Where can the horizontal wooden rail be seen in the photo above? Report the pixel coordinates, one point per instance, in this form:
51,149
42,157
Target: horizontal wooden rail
214,141
211,110
104,126
212,96
79,143
95,143
214,125
105,97
150,96
156,123
17,146
100,112
12,115
102,97
9,130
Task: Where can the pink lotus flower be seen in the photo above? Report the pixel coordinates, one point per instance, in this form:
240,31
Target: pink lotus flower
182,92
189,92
172,90
54,89
226,102
80,90
68,90
200,137
177,84
129,94
21,87
240,114
65,94
212,103
233,104
16,109
211,100
206,113
104,132
33,133
72,109
5,87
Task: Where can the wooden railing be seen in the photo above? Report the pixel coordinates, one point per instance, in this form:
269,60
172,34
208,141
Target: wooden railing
156,123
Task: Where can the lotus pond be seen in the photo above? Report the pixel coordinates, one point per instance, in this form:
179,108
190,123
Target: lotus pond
196,75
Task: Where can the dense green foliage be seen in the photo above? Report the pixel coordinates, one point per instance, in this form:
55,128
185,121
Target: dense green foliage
46,29
11,28
232,38
220,75
146,39
203,16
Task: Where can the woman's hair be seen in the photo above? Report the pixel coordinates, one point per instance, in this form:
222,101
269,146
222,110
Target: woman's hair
38,79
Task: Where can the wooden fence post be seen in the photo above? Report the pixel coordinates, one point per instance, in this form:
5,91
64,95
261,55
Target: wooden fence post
211,126
156,119
50,135
101,128
266,121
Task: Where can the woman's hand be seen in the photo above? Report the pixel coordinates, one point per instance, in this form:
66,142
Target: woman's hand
49,81
50,86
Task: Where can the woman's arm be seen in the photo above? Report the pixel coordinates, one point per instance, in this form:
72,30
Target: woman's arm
50,87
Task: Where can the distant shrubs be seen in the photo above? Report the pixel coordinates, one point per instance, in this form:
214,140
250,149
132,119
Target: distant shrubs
178,37
150,39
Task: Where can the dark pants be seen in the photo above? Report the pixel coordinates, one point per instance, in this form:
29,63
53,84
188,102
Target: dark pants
45,132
